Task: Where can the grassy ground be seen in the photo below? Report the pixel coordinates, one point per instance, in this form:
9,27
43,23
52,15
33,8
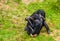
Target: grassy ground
12,19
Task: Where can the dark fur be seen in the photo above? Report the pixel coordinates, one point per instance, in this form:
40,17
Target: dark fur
37,20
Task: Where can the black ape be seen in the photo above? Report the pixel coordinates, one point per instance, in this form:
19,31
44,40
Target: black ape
35,23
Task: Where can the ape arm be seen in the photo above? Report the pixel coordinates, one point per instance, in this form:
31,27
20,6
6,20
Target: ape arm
42,17
28,19
47,28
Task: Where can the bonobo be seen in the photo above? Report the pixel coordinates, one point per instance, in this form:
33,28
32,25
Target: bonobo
35,23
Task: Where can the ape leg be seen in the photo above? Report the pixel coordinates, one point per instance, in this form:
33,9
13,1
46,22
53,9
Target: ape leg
47,28
28,31
37,29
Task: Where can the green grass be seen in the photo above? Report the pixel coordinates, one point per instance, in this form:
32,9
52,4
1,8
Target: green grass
12,20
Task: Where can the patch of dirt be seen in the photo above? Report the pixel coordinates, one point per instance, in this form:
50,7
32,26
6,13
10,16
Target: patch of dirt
3,6
57,38
28,1
56,35
41,0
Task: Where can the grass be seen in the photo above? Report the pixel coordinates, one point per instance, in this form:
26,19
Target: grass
12,20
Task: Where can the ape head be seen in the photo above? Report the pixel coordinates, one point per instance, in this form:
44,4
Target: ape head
41,12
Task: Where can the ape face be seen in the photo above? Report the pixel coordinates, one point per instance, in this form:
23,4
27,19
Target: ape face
35,23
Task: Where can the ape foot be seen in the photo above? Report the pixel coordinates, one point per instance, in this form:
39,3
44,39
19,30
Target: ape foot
33,35
48,32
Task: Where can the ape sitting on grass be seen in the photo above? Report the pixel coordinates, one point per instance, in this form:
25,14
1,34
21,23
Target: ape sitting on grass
35,23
